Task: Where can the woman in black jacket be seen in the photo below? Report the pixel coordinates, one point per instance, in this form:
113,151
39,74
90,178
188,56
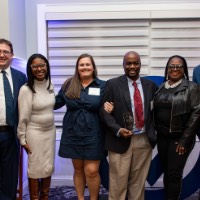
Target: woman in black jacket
176,116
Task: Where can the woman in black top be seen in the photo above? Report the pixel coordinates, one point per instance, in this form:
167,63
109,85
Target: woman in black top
176,115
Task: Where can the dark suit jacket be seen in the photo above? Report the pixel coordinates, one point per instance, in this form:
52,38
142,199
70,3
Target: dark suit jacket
18,79
117,91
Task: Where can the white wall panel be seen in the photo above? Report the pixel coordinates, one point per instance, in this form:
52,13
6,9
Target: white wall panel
174,36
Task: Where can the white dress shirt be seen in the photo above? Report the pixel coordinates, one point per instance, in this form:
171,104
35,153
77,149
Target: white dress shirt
2,95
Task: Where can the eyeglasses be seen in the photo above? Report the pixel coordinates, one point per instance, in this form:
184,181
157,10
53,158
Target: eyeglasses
5,52
177,67
41,65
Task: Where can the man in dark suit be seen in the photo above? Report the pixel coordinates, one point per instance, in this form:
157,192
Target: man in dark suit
9,147
130,136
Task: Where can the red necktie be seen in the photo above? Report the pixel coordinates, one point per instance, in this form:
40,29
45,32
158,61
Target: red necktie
139,115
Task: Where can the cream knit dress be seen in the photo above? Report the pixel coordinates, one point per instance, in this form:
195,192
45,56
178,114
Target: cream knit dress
36,128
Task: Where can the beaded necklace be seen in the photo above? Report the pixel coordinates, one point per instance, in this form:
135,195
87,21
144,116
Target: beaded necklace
167,85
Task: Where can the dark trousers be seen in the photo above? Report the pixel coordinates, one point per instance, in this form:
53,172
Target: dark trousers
173,165
9,154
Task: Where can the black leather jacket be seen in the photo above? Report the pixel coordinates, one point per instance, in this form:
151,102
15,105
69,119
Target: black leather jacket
185,113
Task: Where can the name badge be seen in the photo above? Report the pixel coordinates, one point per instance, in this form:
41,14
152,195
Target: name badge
94,91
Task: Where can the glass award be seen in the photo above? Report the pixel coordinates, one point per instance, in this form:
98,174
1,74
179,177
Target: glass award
128,121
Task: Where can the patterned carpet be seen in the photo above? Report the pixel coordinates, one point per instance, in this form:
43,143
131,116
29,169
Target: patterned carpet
68,193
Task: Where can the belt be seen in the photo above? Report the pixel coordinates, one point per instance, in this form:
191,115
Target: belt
5,128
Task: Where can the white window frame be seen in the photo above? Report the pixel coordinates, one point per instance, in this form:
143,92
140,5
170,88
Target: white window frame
109,11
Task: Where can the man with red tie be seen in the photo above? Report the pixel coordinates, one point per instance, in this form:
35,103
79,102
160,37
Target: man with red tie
130,134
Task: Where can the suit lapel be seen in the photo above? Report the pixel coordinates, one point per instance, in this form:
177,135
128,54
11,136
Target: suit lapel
146,95
125,90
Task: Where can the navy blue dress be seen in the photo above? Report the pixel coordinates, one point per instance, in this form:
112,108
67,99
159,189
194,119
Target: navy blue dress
83,136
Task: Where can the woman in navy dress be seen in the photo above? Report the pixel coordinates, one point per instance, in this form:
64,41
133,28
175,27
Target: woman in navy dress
82,138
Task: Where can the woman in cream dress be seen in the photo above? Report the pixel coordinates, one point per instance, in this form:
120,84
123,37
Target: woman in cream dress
36,130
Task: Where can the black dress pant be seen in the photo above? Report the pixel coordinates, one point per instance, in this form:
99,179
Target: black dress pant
173,164
9,156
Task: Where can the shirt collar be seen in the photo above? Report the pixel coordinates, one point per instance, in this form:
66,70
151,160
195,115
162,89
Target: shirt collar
96,80
7,70
130,81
